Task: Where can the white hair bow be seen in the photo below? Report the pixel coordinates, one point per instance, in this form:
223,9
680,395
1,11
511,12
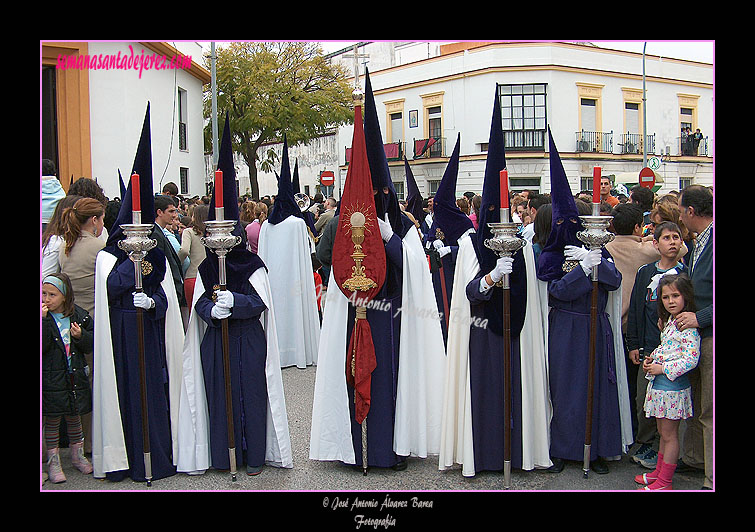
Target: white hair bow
653,286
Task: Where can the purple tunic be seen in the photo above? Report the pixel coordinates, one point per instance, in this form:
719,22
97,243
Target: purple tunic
568,356
120,287
486,371
385,324
248,353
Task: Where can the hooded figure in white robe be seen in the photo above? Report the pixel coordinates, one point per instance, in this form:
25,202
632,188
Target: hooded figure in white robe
117,446
284,246
260,421
473,424
404,413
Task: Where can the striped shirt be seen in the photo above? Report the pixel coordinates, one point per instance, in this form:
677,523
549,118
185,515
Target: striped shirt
700,242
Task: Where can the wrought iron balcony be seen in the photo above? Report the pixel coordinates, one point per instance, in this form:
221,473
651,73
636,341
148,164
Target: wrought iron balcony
594,141
524,140
632,143
394,151
430,147
686,145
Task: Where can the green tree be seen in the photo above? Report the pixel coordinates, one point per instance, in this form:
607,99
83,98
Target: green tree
274,88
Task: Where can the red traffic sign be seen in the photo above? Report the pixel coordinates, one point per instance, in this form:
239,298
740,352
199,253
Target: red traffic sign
327,178
647,178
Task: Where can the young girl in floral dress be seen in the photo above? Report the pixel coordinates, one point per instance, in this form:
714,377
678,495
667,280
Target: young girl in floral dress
669,395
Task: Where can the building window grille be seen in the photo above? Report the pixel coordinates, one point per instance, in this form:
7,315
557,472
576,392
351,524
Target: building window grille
523,116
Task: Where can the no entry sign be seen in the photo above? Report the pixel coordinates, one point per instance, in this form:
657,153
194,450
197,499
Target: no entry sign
327,178
647,178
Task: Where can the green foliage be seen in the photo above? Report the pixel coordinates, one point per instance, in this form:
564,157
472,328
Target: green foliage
274,88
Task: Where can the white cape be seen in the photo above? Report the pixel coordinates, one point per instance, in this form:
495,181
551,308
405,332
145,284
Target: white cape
421,367
108,443
457,444
613,308
193,453
285,249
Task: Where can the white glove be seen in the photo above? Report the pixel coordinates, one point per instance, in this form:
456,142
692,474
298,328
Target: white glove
575,253
503,266
224,298
142,300
220,313
441,249
386,231
592,258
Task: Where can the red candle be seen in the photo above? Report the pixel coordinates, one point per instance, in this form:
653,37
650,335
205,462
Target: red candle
596,184
136,197
504,189
218,189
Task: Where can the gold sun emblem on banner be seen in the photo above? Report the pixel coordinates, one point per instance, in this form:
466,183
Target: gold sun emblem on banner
357,222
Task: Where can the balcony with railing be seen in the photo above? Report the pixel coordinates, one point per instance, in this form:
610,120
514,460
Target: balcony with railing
429,148
631,143
594,141
394,151
686,145
524,140
600,142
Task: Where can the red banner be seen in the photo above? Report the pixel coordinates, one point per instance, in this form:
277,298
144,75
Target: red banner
359,263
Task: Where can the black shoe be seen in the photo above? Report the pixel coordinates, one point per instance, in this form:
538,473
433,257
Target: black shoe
599,466
400,466
682,467
557,467
253,471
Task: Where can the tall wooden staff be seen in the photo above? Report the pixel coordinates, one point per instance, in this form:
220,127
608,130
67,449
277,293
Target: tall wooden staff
595,236
137,243
221,241
506,243
359,267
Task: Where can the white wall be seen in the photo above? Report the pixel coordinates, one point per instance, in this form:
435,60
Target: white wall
118,102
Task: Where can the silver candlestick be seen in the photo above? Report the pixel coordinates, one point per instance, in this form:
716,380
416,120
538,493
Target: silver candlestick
596,234
506,243
221,240
137,244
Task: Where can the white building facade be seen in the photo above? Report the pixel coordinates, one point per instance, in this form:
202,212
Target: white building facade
118,101
590,97
99,94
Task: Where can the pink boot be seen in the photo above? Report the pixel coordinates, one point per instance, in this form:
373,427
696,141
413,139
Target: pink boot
664,478
78,459
54,469
648,478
